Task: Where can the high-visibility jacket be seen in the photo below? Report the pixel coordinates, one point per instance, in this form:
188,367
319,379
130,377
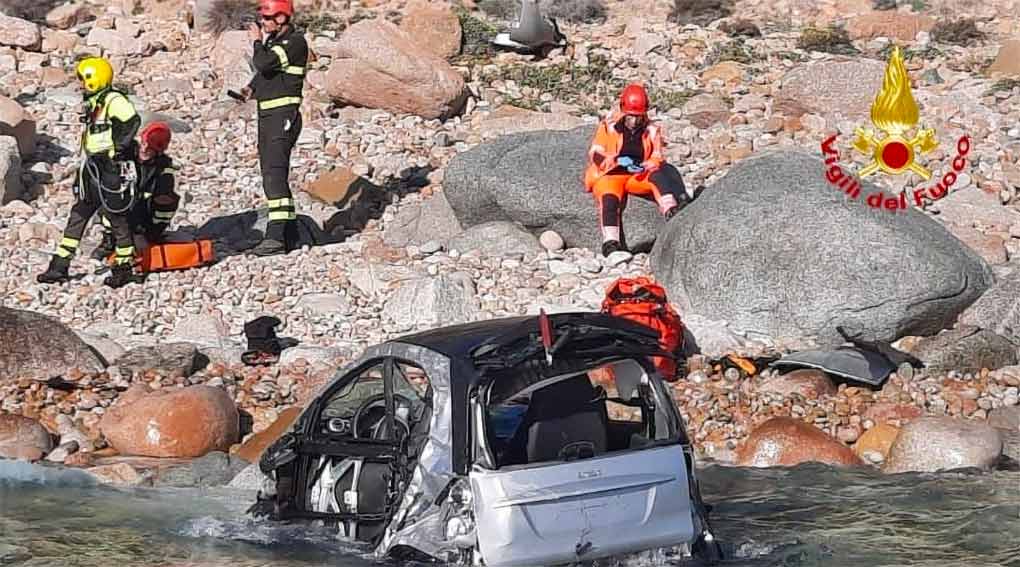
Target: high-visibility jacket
156,180
608,143
280,63
110,125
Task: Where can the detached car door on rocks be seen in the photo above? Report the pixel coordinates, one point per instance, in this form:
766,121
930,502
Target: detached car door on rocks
581,463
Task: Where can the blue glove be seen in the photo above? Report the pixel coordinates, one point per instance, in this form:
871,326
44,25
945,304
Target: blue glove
625,161
634,169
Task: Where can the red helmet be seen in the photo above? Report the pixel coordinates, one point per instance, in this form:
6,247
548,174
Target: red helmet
274,7
634,100
156,136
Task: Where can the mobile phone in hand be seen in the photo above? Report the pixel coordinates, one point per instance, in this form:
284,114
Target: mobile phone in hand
235,95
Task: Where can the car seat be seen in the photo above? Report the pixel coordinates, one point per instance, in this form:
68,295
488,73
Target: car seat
566,421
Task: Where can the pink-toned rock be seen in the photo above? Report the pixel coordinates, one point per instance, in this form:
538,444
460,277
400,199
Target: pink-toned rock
67,15
931,444
16,122
16,32
704,110
229,58
729,72
989,246
1007,62
807,382
510,120
121,474
893,414
59,41
23,438
894,25
187,422
785,441
436,27
383,67
840,86
115,42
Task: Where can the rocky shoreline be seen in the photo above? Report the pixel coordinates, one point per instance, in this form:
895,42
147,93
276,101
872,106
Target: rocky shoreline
386,202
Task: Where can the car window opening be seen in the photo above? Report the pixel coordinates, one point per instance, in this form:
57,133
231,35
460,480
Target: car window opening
609,408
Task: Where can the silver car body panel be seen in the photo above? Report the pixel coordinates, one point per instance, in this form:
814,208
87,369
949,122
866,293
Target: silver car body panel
535,514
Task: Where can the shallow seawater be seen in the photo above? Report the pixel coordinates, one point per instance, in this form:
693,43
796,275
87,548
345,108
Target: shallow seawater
806,516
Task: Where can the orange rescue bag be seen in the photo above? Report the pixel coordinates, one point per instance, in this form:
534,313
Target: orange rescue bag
176,256
643,301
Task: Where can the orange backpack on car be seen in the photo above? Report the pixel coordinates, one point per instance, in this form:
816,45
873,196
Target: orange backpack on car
643,301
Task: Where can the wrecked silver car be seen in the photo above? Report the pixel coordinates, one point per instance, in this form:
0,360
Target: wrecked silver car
524,441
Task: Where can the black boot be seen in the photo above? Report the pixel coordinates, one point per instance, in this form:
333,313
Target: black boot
263,345
274,241
56,272
105,249
121,275
610,246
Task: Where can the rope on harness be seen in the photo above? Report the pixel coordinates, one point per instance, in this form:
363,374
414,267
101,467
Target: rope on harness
128,178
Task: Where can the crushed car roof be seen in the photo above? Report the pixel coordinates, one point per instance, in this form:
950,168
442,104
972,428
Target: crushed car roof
484,339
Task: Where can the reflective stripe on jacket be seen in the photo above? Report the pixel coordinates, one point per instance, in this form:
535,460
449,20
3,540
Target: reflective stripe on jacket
607,143
109,110
280,63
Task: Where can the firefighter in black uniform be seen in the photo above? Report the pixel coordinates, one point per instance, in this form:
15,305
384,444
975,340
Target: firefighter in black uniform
280,55
105,177
157,201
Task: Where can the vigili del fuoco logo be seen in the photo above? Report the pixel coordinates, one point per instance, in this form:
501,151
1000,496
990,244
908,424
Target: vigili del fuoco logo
896,149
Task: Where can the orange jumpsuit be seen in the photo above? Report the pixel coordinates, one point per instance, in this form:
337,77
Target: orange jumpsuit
611,184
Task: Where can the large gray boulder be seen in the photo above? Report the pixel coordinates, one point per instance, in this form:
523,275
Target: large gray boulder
497,239
998,310
41,347
536,179
776,251
965,349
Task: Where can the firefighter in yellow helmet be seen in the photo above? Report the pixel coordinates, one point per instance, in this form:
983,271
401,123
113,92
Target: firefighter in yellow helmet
106,176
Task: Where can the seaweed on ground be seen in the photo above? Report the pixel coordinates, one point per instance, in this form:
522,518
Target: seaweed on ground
832,39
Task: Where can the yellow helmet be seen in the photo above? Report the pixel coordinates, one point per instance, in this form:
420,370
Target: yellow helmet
95,74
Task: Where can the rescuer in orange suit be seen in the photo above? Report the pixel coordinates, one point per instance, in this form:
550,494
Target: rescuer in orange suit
626,158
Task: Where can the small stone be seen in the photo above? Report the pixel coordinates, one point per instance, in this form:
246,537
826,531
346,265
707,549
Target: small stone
431,247
732,374
620,257
551,241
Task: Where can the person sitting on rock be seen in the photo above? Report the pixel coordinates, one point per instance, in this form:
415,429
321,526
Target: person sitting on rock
157,202
625,158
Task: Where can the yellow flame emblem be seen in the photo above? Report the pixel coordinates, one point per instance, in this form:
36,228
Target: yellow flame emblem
895,112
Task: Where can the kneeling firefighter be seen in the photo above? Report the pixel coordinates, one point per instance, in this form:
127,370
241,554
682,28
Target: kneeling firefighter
156,201
106,179
625,158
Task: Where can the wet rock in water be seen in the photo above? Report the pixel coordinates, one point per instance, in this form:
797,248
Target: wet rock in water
497,238
63,451
38,346
420,223
534,179
174,359
966,349
808,382
250,478
430,302
252,449
891,413
844,86
812,234
1007,421
120,474
785,441
186,422
877,441
23,438
214,469
930,444
385,68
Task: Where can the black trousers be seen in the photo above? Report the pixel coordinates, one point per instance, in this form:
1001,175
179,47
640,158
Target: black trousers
279,129
89,203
